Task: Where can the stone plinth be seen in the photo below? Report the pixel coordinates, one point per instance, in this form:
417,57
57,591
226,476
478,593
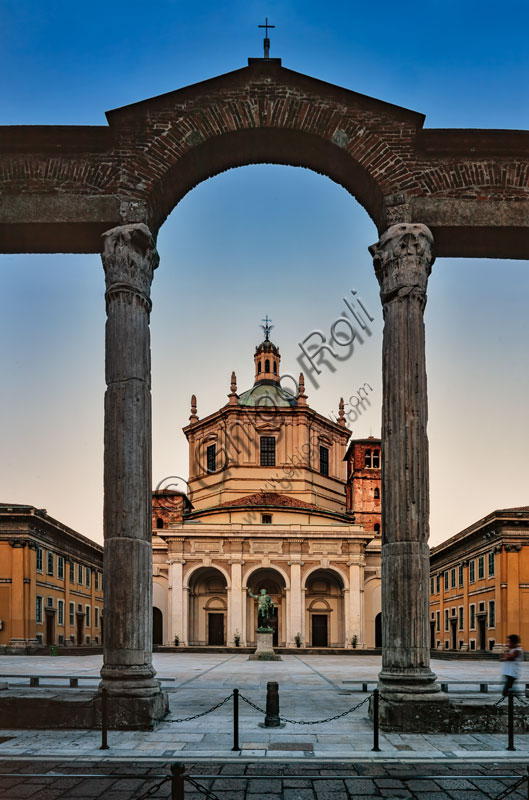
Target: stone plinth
264,650
439,714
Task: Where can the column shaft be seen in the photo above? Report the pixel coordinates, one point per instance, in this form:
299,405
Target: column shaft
403,258
129,258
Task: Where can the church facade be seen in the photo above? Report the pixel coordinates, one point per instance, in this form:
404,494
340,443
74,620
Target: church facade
277,498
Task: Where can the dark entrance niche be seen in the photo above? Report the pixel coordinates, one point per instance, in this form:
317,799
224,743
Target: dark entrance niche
320,634
453,634
80,618
50,626
215,628
157,626
378,630
482,631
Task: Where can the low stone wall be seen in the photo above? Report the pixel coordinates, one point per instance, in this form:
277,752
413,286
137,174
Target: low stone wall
458,715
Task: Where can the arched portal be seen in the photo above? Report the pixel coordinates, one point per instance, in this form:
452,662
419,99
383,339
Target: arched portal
324,609
208,607
274,583
157,626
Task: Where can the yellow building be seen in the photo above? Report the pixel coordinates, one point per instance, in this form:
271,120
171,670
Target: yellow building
479,584
51,588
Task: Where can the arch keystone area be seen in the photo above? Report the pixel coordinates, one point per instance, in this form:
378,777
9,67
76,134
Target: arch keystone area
62,186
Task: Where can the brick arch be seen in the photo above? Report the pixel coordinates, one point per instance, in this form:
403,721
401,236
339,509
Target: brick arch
285,146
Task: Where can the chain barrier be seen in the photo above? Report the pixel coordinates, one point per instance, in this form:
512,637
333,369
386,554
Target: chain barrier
511,789
152,791
202,713
310,722
202,789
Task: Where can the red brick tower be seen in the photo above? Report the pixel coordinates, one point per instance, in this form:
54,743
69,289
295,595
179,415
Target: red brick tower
363,488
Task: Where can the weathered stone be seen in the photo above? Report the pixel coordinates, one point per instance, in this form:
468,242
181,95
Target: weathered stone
129,258
265,648
403,259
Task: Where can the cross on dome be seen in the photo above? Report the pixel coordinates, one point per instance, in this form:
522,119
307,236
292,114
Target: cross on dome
267,328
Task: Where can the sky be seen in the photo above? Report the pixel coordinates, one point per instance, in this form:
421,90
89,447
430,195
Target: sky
261,240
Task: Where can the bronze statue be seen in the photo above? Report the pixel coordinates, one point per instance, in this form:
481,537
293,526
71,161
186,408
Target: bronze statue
265,607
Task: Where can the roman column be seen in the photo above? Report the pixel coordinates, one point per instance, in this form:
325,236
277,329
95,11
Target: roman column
403,260
129,259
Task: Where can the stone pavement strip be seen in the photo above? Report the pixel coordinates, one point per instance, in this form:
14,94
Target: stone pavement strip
132,780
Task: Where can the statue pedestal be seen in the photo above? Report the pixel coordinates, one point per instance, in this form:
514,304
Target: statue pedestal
264,650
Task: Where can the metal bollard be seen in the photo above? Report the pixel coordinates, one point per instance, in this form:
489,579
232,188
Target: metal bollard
375,747
272,705
510,720
177,782
235,720
104,718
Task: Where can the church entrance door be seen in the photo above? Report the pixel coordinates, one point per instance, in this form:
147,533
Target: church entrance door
320,637
215,629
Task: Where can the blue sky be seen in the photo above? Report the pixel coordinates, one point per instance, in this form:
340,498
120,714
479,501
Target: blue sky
261,240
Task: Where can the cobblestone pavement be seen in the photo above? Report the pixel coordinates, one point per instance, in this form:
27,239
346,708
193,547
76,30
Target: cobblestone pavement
257,781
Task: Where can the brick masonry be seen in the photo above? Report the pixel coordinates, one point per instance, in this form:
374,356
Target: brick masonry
62,186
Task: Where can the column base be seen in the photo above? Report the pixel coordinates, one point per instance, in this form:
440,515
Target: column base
132,712
412,701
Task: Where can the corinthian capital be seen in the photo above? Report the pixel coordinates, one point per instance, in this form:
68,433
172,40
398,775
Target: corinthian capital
129,258
403,259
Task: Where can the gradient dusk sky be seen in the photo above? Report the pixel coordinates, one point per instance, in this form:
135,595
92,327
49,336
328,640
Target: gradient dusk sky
260,240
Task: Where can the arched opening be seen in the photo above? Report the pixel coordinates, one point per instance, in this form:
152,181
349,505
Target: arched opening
274,583
157,626
208,607
324,609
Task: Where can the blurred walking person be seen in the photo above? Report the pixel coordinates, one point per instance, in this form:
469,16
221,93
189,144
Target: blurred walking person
511,658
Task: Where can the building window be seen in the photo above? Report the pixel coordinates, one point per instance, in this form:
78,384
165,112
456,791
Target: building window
376,459
60,612
275,368
38,609
159,522
96,617
259,367
324,460
492,614
72,572
87,616
268,451
481,568
461,618
491,564
453,578
80,574
96,579
472,644
39,559
446,581
492,642
472,622
72,613
367,459
432,585
377,528
437,620
377,493
60,567
266,519
447,621
438,582
267,365
211,458
472,571
49,602
88,573
49,568
460,575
